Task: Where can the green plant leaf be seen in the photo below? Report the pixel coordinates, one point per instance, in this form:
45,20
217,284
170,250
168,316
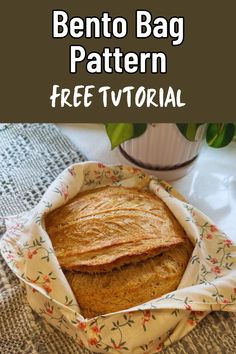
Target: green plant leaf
139,129
189,130
220,135
118,133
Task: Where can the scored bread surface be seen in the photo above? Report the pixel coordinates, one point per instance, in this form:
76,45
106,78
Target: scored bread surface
106,228
131,285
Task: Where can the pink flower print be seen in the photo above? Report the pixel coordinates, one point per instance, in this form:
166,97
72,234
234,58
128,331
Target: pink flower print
82,325
226,301
100,165
64,191
46,279
147,316
96,329
49,309
131,312
116,346
216,270
159,348
93,341
191,322
72,171
228,243
47,287
209,236
30,254
213,228
214,260
114,178
136,170
10,256
188,307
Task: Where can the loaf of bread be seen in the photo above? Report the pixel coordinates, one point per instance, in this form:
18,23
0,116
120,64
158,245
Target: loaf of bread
119,247
130,285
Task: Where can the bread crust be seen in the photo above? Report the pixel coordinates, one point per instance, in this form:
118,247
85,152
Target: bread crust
106,228
132,284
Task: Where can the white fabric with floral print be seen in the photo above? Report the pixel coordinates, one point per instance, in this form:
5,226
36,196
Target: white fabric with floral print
209,282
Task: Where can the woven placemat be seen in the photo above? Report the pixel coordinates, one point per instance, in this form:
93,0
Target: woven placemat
31,156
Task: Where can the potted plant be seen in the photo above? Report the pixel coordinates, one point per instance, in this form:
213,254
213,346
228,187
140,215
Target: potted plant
166,149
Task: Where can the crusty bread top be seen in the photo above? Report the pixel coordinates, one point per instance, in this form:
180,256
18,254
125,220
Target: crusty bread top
105,228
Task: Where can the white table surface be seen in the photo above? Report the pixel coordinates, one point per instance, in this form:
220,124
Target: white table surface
210,186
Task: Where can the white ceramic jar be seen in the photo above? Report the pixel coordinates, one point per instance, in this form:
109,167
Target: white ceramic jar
162,150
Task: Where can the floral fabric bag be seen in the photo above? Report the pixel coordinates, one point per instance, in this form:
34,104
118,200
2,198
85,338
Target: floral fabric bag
208,284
